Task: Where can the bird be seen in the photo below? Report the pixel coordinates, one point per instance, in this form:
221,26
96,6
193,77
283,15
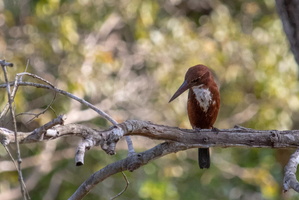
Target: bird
203,103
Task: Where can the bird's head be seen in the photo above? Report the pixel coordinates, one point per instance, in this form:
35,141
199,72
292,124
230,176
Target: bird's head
195,76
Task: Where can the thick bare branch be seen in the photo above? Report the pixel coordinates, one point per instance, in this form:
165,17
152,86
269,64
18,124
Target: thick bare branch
290,181
178,140
188,139
289,15
6,136
238,136
84,145
235,137
130,163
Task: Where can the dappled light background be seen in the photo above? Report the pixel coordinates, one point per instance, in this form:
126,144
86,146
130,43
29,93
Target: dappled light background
128,57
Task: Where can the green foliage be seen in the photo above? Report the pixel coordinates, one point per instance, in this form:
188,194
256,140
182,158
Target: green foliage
128,57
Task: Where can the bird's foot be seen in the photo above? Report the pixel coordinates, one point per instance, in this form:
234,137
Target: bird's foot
197,129
215,130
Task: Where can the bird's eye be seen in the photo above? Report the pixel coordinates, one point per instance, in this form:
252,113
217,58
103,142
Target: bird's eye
195,80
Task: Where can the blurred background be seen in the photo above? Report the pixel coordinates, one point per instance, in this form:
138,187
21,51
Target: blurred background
128,57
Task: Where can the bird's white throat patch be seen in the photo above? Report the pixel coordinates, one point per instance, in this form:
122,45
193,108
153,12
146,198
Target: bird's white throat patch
203,97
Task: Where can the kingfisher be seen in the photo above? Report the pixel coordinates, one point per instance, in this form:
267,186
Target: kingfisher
203,103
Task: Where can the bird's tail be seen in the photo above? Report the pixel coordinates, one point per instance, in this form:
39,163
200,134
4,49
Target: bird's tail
204,158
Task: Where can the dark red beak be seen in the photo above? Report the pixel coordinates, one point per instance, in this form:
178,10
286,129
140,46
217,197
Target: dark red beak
183,88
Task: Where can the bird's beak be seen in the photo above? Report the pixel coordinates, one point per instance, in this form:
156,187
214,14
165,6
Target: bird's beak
183,88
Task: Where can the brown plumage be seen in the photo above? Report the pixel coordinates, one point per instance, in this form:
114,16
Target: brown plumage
203,103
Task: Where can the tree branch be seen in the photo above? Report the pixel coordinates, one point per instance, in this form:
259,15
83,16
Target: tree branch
19,81
289,15
130,163
289,180
24,191
4,63
178,140
107,139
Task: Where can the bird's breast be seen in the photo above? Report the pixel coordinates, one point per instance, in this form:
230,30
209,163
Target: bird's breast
203,97
203,106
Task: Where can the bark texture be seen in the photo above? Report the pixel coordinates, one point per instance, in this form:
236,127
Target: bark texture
288,11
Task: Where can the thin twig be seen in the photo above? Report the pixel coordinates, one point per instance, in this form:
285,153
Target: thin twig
27,65
12,96
82,101
36,115
19,77
34,76
126,187
16,166
10,100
